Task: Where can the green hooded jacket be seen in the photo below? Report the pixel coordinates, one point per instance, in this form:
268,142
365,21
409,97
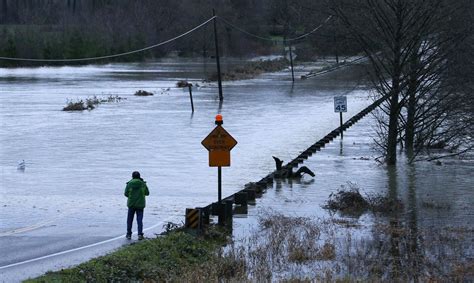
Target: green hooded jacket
135,191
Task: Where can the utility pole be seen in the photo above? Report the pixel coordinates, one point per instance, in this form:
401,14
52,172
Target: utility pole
219,78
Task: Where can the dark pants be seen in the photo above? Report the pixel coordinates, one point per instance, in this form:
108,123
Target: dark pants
131,214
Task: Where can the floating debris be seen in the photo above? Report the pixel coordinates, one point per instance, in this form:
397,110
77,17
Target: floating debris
90,103
21,165
183,84
143,93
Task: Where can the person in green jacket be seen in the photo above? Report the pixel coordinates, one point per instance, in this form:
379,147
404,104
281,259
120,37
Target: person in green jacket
135,191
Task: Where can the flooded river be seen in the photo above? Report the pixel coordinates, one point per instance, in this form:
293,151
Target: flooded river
71,191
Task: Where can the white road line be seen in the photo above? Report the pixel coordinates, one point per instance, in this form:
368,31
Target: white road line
63,215
77,249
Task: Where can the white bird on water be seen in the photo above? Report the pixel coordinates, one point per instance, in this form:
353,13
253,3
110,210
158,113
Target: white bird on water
21,165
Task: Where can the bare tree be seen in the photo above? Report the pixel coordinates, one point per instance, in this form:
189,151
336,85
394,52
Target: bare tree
387,42
407,48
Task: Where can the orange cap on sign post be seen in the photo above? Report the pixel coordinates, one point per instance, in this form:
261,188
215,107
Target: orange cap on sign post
219,120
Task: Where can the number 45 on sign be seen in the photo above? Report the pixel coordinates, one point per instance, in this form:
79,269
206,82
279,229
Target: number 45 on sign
340,104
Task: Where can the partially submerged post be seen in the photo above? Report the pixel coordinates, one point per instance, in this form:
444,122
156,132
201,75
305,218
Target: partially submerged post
190,86
291,62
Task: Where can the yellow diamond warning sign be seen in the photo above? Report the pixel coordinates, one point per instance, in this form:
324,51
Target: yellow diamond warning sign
219,143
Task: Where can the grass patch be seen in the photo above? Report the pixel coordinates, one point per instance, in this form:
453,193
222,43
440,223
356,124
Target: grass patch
165,258
349,201
251,70
327,252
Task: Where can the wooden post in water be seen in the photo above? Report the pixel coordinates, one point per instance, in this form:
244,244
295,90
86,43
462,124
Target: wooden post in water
291,62
190,86
219,78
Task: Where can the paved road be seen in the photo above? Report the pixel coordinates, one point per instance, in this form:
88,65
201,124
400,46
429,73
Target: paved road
29,256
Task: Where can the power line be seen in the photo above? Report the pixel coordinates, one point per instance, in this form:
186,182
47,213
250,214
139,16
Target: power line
337,67
246,32
312,31
113,55
275,40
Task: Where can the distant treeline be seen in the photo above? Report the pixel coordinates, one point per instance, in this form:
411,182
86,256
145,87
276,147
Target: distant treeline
47,29
86,28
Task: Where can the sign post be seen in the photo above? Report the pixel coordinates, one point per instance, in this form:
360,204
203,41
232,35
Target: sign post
340,105
219,143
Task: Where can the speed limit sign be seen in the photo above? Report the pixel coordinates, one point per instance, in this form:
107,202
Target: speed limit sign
340,104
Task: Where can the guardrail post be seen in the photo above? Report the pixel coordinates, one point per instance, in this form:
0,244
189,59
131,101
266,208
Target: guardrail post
241,198
251,195
205,214
228,204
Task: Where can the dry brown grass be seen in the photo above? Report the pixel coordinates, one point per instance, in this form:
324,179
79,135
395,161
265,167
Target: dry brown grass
327,252
298,249
349,201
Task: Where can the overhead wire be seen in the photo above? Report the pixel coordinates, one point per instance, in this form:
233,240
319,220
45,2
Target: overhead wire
113,55
312,31
272,39
337,67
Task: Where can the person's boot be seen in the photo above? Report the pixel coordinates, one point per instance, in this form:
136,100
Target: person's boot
140,237
128,236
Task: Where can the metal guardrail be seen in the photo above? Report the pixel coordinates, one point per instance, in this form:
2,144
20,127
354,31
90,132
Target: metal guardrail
225,210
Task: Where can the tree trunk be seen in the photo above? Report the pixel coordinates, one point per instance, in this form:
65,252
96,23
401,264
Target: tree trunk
394,104
410,125
411,107
396,75
393,123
